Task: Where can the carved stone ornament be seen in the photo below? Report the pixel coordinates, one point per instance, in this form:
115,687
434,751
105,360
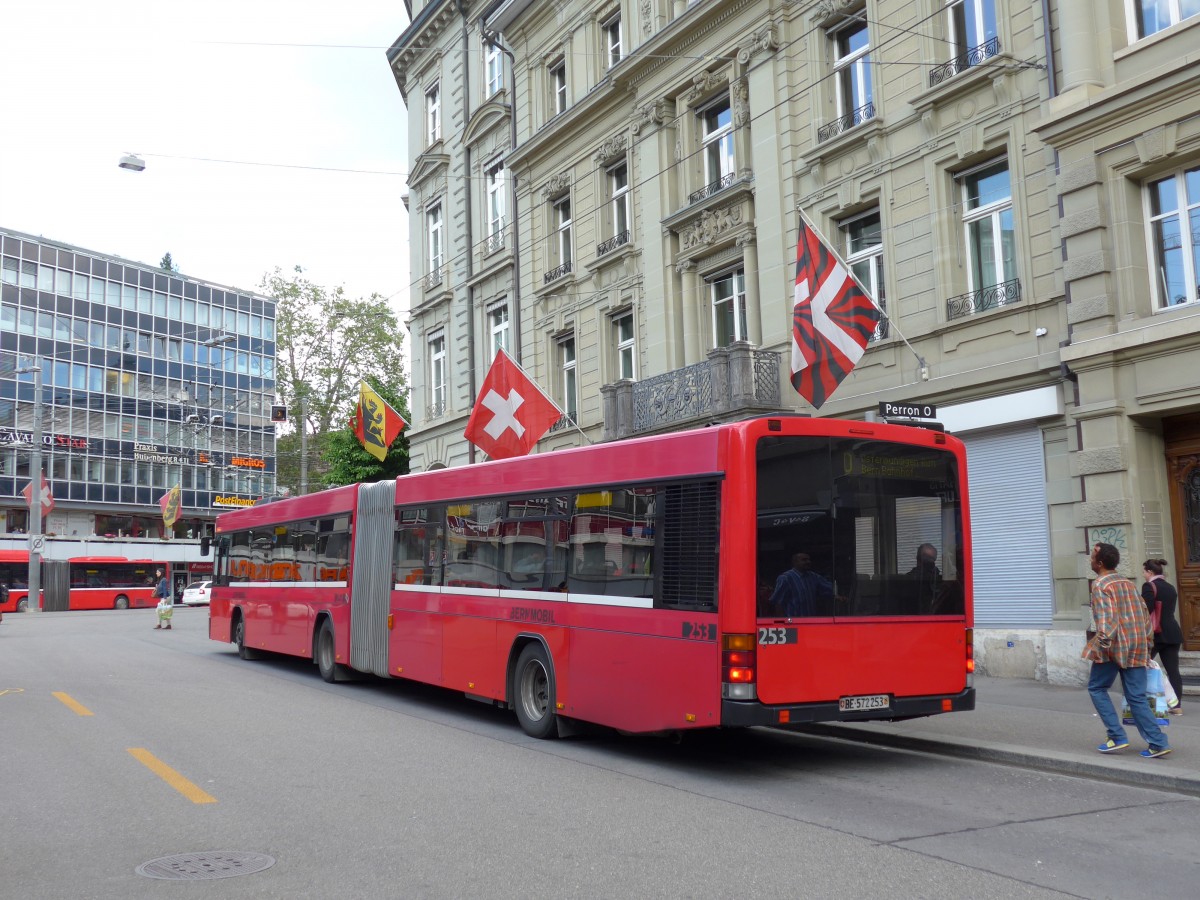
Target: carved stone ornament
647,16
739,101
704,84
763,39
614,146
827,9
712,224
651,114
557,184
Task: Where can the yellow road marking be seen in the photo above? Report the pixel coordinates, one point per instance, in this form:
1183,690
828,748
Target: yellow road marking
170,776
12,691
71,703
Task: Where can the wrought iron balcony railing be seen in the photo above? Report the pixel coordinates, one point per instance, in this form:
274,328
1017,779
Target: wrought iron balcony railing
705,389
972,57
846,122
437,407
555,274
494,242
881,329
434,278
709,189
613,243
993,297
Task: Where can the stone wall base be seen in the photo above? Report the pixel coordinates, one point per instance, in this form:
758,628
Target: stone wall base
1049,656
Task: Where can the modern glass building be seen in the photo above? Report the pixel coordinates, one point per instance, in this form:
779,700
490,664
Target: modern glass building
150,379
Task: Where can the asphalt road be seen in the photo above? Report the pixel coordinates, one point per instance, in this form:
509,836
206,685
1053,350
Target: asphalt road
123,745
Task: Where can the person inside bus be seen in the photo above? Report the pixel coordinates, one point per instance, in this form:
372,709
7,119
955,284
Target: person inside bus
927,577
951,596
799,591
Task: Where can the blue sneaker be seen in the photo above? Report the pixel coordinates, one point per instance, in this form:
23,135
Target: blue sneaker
1155,754
1111,746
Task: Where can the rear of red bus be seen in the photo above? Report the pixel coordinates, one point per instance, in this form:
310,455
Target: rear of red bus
850,597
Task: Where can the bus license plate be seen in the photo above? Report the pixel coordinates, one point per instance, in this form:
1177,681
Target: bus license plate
858,704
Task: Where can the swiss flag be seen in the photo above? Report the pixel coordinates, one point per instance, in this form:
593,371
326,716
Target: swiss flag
832,319
511,412
47,497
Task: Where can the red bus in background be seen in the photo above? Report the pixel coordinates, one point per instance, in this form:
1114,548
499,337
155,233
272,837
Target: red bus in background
630,584
90,582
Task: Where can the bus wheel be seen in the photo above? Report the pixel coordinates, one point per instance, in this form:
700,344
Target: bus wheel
122,602
23,604
325,654
533,692
239,638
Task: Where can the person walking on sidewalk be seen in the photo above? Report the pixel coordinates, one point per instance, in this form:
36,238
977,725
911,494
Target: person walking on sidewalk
1169,636
1120,646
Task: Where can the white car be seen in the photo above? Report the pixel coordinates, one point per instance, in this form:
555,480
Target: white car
196,593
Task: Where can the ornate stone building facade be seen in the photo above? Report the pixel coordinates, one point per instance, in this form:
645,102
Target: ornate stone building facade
619,185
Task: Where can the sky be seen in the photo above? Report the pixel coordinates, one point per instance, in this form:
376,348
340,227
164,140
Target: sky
284,94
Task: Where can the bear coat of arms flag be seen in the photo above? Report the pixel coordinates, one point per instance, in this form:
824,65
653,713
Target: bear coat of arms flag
832,318
169,503
375,423
511,413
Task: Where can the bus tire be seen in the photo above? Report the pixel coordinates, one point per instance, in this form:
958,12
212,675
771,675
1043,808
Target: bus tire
326,656
122,602
239,638
23,604
533,692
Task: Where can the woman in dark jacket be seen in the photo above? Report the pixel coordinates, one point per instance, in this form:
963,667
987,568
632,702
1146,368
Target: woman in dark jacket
1167,640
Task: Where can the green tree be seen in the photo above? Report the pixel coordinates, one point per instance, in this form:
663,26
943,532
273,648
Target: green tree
328,343
167,264
349,463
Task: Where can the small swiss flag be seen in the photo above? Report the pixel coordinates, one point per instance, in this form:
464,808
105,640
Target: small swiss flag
47,497
511,412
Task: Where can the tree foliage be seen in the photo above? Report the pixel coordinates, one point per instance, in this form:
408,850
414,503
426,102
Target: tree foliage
167,264
328,343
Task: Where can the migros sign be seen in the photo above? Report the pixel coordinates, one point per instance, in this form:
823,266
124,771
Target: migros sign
247,462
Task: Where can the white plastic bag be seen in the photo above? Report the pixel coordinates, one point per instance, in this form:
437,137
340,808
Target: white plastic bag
1167,691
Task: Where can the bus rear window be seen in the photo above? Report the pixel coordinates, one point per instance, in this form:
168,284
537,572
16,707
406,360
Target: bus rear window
874,527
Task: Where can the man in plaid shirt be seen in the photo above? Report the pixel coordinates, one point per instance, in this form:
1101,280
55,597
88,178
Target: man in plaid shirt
1121,646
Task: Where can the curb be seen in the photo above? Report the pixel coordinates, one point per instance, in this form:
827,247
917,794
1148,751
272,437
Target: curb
1007,754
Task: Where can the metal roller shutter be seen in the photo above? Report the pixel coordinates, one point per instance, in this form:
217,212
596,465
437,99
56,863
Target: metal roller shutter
1010,529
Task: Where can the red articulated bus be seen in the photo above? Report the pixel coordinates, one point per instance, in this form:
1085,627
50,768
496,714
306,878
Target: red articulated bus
756,573
92,582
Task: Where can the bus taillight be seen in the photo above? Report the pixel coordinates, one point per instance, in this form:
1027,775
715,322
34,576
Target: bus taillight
738,656
970,657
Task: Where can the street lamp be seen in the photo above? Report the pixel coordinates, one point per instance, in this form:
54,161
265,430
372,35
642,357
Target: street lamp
36,540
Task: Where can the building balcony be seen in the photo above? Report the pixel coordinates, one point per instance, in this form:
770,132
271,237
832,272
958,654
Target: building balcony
494,242
613,243
709,189
881,328
846,122
555,274
733,382
435,278
972,57
993,297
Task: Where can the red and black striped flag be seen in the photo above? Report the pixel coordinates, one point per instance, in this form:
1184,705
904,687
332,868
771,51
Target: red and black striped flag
832,319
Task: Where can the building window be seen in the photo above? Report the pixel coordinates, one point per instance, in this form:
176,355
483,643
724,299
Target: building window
852,68
433,114
988,222
618,188
864,255
434,230
495,205
562,230
493,66
974,37
1152,16
612,40
566,354
1175,237
437,374
622,325
558,87
728,292
717,136
499,327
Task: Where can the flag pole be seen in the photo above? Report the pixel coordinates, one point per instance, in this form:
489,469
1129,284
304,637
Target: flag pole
574,424
924,371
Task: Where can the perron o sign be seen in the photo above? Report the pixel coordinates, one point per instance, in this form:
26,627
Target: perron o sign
907,410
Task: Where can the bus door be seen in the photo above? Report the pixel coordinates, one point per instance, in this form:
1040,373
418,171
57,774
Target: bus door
860,571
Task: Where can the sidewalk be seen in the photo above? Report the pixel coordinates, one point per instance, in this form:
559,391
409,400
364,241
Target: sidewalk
1027,723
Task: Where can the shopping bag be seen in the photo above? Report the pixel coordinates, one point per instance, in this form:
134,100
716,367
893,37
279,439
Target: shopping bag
1168,692
1156,699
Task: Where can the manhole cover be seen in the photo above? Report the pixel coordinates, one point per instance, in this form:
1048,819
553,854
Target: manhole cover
214,864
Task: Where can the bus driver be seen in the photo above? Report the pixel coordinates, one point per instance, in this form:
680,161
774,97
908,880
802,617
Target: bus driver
799,588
